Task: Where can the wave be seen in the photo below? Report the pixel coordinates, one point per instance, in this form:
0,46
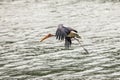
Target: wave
61,0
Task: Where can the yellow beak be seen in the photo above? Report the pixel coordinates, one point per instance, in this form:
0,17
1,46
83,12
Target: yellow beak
47,36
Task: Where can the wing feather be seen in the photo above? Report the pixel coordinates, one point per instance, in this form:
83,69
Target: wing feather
68,42
61,32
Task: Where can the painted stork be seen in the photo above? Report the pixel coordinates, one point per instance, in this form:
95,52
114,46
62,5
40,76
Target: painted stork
65,33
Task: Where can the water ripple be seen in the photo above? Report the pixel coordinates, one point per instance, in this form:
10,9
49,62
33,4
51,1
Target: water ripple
23,57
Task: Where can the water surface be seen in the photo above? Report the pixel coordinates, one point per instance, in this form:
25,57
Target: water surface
23,57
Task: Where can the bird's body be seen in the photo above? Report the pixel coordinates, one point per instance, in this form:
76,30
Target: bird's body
64,33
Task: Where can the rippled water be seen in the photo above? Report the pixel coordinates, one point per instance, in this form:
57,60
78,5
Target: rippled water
23,57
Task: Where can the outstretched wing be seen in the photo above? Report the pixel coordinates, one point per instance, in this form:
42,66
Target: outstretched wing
61,32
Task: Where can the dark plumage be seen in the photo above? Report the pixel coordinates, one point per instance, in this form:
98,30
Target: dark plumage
63,32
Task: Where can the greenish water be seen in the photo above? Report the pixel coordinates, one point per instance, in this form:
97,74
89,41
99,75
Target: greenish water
23,57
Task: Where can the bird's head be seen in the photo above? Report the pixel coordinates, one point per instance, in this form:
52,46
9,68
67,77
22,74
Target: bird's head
47,36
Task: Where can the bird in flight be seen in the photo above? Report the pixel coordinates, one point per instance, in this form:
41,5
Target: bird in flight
64,33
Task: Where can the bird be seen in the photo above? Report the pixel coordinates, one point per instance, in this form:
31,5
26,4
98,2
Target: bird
64,33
